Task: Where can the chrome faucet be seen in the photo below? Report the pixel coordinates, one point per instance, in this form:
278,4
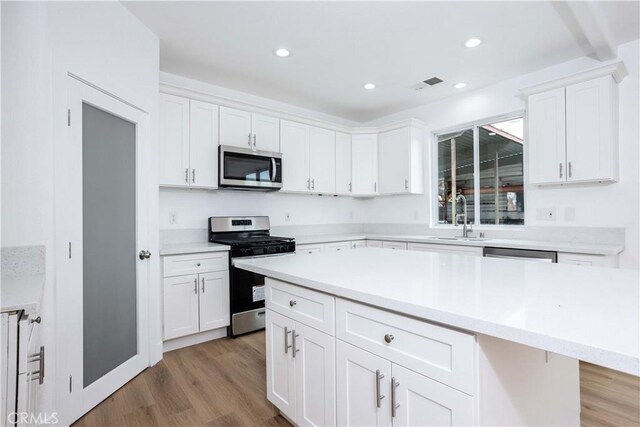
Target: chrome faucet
466,228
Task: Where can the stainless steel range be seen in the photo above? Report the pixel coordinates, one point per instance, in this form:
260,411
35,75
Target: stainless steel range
248,236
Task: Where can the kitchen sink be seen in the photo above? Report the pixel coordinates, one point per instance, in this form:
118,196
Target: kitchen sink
459,238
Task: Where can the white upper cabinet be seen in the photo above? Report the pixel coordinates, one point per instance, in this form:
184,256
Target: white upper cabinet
203,152
343,163
546,142
400,161
573,127
249,130
266,133
188,143
364,164
174,141
235,128
592,130
322,160
294,145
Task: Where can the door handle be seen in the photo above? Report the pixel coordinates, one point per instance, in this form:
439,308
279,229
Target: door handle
394,404
144,254
379,396
287,346
203,285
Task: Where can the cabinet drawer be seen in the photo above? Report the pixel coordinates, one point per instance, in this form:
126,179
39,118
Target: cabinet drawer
312,308
374,243
308,249
590,260
177,265
445,249
439,353
395,245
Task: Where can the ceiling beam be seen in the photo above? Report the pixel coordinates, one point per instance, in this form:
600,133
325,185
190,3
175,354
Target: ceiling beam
585,24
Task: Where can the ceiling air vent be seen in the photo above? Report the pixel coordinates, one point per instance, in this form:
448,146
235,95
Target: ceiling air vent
429,82
432,81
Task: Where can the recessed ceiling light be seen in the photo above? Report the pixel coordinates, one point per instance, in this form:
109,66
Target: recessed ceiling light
473,42
282,52
369,86
459,85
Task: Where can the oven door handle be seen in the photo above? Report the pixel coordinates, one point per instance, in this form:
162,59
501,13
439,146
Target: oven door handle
233,259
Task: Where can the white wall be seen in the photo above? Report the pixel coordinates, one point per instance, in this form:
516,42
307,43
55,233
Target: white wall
104,44
614,205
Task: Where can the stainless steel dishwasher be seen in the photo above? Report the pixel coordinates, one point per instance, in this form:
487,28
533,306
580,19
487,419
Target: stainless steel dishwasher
523,254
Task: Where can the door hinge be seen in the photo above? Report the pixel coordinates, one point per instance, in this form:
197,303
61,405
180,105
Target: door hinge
69,250
70,383
68,116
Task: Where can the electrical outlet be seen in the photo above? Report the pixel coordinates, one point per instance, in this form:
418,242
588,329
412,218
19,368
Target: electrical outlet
287,216
173,217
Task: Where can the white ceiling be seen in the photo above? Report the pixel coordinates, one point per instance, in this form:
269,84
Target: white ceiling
338,46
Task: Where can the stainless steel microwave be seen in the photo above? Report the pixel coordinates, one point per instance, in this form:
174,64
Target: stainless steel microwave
245,169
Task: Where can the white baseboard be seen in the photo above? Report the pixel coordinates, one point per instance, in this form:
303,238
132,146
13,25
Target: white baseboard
194,339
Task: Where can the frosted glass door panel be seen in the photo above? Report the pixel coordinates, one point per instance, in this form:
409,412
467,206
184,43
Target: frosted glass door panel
109,232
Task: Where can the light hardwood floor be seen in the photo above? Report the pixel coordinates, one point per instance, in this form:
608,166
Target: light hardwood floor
223,383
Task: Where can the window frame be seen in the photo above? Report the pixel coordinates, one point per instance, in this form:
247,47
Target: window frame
433,187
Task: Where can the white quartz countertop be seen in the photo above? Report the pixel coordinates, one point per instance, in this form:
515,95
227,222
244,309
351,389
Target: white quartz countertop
568,247
190,248
22,293
559,308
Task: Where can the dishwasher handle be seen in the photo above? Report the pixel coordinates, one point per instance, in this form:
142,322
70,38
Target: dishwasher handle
521,254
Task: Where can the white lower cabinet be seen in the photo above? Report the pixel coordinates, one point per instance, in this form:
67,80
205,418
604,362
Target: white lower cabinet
395,245
197,301
300,371
445,249
363,387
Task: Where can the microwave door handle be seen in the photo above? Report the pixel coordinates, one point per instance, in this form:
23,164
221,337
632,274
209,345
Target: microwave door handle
274,169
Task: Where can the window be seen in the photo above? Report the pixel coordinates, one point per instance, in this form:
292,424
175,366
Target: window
482,162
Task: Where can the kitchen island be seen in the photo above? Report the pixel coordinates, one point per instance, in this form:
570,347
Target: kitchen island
496,340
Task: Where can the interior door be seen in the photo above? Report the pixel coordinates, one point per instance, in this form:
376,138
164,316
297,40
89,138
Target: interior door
322,160
363,392
102,268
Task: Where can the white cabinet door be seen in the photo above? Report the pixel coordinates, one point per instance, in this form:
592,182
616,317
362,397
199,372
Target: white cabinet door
174,141
546,142
266,132
214,300
364,165
281,375
235,128
363,379
343,163
322,160
394,152
422,401
294,145
315,377
180,296
203,138
590,134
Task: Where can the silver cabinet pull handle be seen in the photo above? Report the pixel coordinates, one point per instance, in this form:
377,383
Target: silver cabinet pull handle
249,139
388,338
195,286
313,184
193,176
203,285
293,343
186,175
560,170
308,184
254,140
375,187
287,346
350,188
292,303
394,404
406,184
379,396
569,170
